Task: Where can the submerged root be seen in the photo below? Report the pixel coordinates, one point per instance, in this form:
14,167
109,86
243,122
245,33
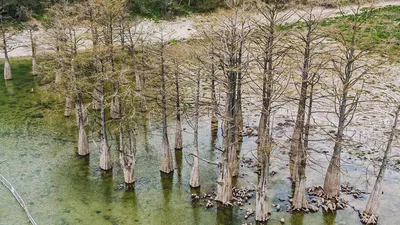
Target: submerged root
368,219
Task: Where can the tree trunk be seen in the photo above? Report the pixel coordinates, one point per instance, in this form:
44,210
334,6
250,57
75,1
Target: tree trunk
116,104
227,167
373,203
7,70
299,197
7,67
178,130
298,132
332,177
166,161
262,205
195,174
224,183
34,66
68,106
127,156
83,146
105,157
33,46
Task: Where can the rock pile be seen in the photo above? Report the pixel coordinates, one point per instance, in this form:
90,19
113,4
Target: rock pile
368,219
347,189
319,199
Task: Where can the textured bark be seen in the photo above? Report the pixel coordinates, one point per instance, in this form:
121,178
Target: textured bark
373,203
300,197
105,157
127,156
262,205
68,106
332,177
83,146
224,183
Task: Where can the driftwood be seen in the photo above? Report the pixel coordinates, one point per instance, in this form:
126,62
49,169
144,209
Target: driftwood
18,198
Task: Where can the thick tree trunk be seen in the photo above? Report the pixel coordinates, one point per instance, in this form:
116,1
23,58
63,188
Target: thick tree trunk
373,203
83,146
178,130
224,183
299,197
332,177
127,156
228,167
105,157
262,204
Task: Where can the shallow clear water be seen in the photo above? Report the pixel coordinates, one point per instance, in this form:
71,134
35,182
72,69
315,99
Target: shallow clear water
37,156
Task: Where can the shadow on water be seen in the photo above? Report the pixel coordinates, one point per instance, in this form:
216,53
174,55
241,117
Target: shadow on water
178,162
297,218
167,184
224,215
329,218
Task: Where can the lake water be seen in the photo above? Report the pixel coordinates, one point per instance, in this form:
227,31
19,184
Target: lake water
37,155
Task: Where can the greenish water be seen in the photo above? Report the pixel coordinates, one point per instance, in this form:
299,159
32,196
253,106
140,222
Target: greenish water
37,156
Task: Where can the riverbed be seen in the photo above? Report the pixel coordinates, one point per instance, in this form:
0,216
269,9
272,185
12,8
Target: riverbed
37,155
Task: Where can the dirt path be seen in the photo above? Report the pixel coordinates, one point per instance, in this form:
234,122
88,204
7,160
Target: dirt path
182,28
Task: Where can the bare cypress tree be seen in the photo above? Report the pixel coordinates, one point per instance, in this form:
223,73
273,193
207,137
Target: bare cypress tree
178,129
272,52
166,156
232,35
309,40
350,70
195,173
370,215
